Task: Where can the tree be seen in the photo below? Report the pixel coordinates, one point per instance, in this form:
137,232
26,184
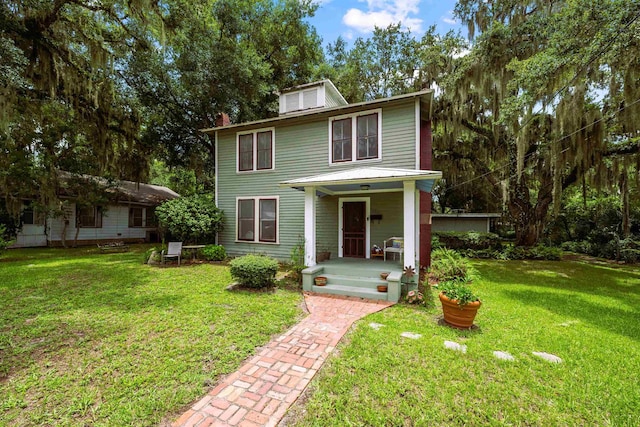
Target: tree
104,87
193,219
522,107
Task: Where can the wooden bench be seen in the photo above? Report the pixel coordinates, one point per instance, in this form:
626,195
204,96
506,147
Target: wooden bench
113,247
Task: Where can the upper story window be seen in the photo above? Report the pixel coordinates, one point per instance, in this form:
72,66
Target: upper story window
89,217
256,150
356,137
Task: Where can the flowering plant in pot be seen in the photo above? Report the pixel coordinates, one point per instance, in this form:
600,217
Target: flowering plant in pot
459,304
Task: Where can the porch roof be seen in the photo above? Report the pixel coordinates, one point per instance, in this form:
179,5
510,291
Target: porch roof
369,179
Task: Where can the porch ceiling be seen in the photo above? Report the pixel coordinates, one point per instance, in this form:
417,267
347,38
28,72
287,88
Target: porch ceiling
361,180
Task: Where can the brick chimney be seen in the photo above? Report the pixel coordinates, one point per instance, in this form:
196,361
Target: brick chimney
222,119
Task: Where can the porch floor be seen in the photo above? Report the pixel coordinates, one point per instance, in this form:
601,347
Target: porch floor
356,277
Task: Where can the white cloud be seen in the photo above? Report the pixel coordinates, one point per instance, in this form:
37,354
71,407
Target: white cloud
382,13
449,19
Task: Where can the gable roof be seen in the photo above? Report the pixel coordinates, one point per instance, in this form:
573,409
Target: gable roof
424,95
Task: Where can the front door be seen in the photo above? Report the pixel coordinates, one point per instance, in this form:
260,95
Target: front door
354,231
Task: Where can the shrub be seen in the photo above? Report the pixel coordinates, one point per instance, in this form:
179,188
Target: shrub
447,264
415,297
5,241
297,260
214,253
468,240
194,218
545,252
254,271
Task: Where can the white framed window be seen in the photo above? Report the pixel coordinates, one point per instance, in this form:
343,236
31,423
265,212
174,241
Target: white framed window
257,219
255,150
355,137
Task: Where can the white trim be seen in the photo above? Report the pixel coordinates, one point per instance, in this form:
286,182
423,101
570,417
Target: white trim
217,173
256,224
367,213
354,137
417,109
309,226
254,134
409,211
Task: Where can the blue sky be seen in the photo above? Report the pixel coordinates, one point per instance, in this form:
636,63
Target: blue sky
354,18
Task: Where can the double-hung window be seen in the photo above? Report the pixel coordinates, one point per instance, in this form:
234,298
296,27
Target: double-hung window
89,217
256,150
136,217
356,137
257,219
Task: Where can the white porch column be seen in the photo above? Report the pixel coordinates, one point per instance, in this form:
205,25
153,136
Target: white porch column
310,226
409,223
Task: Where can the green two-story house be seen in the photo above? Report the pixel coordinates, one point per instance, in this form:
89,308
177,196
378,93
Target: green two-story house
329,175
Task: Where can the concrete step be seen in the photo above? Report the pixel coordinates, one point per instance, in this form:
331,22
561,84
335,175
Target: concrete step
370,270
353,291
357,282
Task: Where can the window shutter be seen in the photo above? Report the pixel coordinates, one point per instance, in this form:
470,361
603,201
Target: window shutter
310,98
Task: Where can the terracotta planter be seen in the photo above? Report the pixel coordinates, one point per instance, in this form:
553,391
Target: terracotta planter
459,317
320,281
382,288
384,276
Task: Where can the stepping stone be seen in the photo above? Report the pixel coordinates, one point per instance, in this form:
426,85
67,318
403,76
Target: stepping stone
548,357
376,326
503,355
569,323
455,346
410,335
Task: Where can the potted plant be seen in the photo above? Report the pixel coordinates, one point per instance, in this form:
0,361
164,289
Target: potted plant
324,254
459,303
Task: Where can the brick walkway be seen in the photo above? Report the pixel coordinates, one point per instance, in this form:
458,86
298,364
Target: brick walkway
262,390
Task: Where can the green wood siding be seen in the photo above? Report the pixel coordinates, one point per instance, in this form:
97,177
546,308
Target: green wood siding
302,149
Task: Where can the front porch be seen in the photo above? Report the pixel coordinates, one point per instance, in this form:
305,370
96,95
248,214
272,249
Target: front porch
356,277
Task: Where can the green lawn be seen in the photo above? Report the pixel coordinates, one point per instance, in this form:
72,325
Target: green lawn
589,315
101,339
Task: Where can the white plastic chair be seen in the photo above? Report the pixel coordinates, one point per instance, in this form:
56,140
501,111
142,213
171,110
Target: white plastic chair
174,250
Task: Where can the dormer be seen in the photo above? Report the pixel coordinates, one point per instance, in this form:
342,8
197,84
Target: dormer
322,94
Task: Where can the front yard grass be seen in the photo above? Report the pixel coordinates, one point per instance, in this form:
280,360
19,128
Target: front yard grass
103,340
589,315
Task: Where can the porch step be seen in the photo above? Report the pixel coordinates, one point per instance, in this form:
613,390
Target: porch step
367,270
354,291
365,281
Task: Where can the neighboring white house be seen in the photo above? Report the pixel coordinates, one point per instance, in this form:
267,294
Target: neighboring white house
128,217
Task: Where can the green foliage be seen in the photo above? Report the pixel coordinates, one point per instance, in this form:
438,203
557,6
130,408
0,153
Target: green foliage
468,240
4,238
447,264
214,253
512,252
297,259
190,219
458,290
254,271
181,180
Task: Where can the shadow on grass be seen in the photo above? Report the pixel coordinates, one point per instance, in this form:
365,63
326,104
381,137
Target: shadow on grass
607,297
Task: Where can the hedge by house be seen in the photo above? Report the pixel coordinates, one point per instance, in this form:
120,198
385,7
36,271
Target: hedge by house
254,271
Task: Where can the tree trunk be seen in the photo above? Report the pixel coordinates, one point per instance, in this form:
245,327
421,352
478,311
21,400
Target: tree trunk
624,194
529,220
